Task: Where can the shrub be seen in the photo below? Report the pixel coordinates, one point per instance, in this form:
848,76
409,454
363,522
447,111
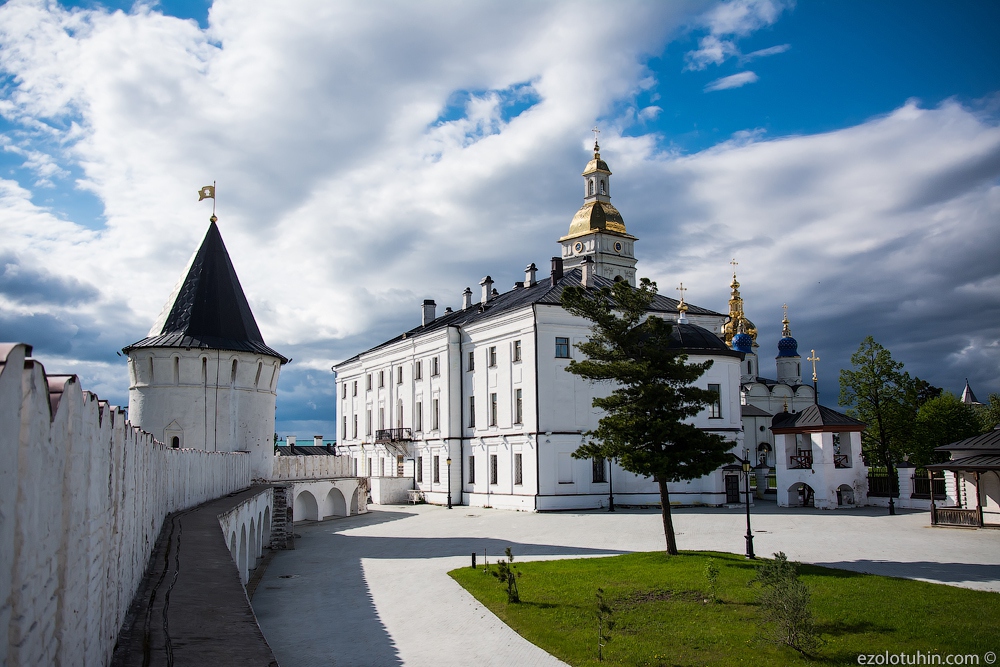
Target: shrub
784,605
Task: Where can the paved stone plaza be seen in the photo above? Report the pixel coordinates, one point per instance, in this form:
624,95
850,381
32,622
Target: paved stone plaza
373,589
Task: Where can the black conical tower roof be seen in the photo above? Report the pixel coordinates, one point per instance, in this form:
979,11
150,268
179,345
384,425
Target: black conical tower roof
208,308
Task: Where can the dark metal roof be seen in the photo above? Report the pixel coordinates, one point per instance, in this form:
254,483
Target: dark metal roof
987,441
547,294
305,450
209,309
980,462
753,411
815,417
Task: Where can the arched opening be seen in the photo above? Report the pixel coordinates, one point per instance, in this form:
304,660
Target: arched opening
232,378
603,191
354,502
150,370
177,370
256,380
274,376
204,370
305,508
243,554
334,505
266,523
618,279
800,495
845,495
591,187
175,442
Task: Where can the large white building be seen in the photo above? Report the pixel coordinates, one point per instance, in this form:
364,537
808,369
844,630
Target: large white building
484,387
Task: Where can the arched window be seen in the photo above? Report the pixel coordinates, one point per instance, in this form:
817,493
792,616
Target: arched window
591,187
150,370
603,192
177,370
204,370
232,379
260,367
175,442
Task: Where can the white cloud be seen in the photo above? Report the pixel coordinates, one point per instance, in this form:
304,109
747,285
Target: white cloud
345,199
762,53
733,81
728,21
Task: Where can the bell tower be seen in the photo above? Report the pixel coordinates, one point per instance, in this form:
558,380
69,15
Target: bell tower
597,230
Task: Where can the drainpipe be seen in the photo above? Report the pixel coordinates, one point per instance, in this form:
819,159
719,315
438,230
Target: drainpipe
461,417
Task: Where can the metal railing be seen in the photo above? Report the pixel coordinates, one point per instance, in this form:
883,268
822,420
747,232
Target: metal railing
880,486
393,435
922,486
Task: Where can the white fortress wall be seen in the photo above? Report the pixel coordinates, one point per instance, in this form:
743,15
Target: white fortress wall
311,467
83,495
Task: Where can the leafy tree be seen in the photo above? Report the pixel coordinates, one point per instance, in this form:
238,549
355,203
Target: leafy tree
643,427
989,413
924,391
940,421
881,395
507,573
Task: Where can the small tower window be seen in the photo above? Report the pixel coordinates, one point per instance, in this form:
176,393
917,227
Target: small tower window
175,442
591,191
204,370
232,377
602,187
151,370
260,367
177,370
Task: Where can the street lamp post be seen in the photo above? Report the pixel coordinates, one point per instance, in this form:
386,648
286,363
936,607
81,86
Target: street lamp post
448,461
611,487
746,472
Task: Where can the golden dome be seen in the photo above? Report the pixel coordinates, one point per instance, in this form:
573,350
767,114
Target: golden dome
596,216
595,165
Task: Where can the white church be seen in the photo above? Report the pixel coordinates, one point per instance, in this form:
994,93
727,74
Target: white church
476,407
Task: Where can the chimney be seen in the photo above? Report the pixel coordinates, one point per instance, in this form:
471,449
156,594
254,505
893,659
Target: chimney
428,309
529,275
587,272
487,285
317,441
466,299
290,440
557,270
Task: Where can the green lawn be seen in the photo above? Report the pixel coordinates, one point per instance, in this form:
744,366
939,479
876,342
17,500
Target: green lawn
664,619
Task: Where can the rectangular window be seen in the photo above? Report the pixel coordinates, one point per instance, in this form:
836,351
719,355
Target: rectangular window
518,475
472,361
420,470
518,407
562,348
437,469
343,427
418,370
368,382
418,416
381,379
472,470
493,409
715,407
355,427
493,468
371,468
355,467
517,350
343,390
399,465
436,415
399,375
381,418
599,475
381,467
493,356
436,366
472,412
354,389
368,422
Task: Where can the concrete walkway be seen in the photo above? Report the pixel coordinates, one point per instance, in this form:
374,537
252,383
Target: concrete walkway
373,589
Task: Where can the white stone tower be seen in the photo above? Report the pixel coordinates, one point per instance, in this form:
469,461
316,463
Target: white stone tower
597,230
788,361
204,378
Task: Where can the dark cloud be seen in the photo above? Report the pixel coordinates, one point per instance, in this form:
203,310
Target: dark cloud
34,285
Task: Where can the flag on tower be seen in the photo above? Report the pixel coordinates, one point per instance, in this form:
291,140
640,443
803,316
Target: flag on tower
207,192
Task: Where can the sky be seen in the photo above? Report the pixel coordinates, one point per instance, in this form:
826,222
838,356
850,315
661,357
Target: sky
372,155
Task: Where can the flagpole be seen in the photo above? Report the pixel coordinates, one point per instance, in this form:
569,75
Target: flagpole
214,190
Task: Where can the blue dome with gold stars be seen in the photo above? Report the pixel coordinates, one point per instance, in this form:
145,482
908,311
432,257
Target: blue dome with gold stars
788,347
743,342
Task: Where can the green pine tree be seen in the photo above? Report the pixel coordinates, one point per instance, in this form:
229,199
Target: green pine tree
644,426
